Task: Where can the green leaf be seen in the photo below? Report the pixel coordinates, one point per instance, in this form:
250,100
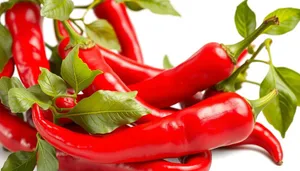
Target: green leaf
20,100
5,46
133,6
47,160
57,9
101,32
37,91
76,73
288,20
292,79
113,110
20,161
5,85
156,6
281,111
51,84
245,19
166,63
55,62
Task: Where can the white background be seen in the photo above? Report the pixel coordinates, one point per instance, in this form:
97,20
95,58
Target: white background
213,21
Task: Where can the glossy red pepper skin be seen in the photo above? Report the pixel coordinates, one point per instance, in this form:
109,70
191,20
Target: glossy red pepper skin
8,69
199,162
219,121
15,140
129,71
264,138
15,134
108,80
260,135
116,14
24,23
208,66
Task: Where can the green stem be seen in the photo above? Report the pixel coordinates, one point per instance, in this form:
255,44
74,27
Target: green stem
49,46
81,7
76,39
228,85
77,25
268,44
261,61
235,50
92,5
251,82
54,113
259,104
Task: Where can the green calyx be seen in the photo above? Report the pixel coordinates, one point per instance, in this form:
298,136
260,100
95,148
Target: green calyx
259,104
76,39
239,75
235,50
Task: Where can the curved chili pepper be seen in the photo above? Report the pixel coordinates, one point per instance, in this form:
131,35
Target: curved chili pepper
128,70
260,135
210,65
24,23
108,80
264,138
15,140
219,121
8,69
199,162
116,14
15,134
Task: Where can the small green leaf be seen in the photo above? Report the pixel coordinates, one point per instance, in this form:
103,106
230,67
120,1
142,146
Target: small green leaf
55,62
5,85
245,19
292,79
20,100
5,46
281,111
288,20
20,161
51,84
47,160
101,32
76,73
166,63
133,6
156,6
37,91
57,9
113,110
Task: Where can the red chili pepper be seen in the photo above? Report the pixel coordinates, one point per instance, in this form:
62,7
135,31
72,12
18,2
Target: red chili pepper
15,134
8,69
199,162
116,14
24,23
218,121
264,138
109,80
260,135
128,70
15,140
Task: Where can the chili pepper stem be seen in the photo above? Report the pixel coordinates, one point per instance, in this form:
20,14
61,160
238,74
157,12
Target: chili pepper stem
259,104
76,39
228,85
235,50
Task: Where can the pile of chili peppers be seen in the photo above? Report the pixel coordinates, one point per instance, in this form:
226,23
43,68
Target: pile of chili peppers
218,118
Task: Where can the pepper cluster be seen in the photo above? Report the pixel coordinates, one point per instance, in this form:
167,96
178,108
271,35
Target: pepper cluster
90,108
